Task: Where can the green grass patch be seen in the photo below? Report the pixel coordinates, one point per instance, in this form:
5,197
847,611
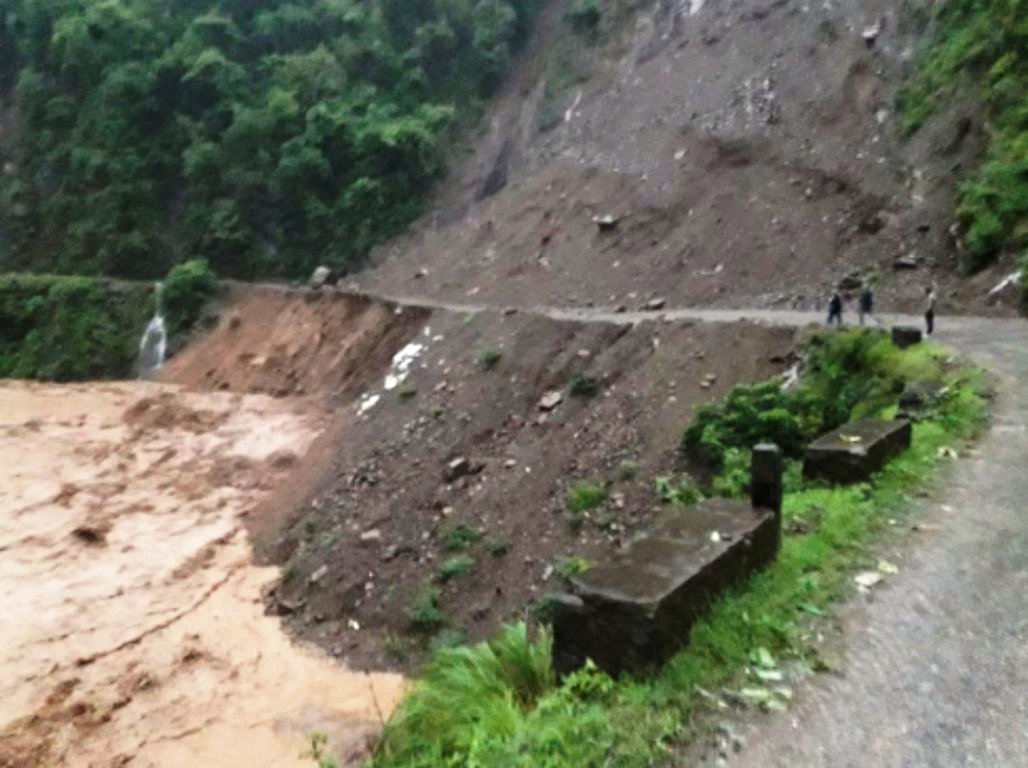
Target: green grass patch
424,613
573,566
489,358
585,496
584,386
471,710
985,41
455,567
460,537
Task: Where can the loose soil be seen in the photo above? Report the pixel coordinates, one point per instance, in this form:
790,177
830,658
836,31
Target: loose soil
378,533
134,630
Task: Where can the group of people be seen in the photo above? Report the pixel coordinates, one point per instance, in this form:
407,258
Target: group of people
866,304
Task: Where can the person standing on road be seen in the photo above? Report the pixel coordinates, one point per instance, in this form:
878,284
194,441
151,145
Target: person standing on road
929,310
866,305
835,309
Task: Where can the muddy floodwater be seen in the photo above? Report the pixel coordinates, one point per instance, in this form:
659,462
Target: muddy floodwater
133,630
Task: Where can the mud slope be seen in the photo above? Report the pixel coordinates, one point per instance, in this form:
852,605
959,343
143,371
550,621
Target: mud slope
377,536
288,343
750,149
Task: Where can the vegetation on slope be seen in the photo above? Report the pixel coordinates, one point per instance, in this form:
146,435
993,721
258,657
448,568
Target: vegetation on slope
987,39
70,328
464,712
57,328
266,137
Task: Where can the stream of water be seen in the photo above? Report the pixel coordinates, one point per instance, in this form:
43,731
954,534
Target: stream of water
153,346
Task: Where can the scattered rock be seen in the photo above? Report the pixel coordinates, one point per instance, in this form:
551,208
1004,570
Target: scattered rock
1007,290
461,467
551,400
320,278
606,223
910,261
373,536
872,32
653,305
421,273
319,574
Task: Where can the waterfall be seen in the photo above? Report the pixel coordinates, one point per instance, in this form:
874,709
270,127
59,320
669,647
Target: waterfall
153,345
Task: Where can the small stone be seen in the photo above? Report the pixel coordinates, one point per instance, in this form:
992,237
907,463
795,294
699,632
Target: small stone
320,277
458,468
653,305
606,223
551,400
910,261
319,574
371,537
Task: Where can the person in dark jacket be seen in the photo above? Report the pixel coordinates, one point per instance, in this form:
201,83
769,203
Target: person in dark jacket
835,309
929,310
866,305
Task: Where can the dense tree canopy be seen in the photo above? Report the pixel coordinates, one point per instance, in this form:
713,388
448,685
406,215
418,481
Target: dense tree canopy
263,136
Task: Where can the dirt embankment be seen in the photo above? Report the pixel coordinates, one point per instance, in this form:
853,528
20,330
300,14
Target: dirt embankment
295,343
750,149
386,522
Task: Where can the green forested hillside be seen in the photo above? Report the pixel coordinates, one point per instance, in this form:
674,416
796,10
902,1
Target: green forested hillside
986,40
263,136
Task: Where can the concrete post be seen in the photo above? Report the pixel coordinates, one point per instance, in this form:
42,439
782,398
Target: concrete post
766,488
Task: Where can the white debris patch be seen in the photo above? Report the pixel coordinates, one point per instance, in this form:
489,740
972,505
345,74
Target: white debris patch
368,401
402,363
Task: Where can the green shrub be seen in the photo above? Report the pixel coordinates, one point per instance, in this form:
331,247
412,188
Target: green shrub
70,328
460,537
461,565
424,613
489,358
184,293
986,39
572,566
584,386
681,494
585,496
499,548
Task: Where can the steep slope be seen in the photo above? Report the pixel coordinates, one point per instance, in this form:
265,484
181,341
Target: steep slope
749,149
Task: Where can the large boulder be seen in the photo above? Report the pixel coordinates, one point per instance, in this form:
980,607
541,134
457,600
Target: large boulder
633,612
854,452
321,277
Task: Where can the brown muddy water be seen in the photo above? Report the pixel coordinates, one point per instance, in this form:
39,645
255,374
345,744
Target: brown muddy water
133,631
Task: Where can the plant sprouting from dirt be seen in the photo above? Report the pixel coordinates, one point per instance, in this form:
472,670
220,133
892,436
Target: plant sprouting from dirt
489,358
573,566
584,386
424,613
455,567
460,537
585,496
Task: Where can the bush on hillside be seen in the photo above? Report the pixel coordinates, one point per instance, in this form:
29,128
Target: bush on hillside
849,375
985,38
70,328
185,291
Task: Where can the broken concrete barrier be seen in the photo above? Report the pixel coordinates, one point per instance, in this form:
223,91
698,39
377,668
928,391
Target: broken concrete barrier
635,611
854,452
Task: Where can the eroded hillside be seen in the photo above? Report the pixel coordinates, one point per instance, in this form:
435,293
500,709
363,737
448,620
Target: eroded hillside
750,150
